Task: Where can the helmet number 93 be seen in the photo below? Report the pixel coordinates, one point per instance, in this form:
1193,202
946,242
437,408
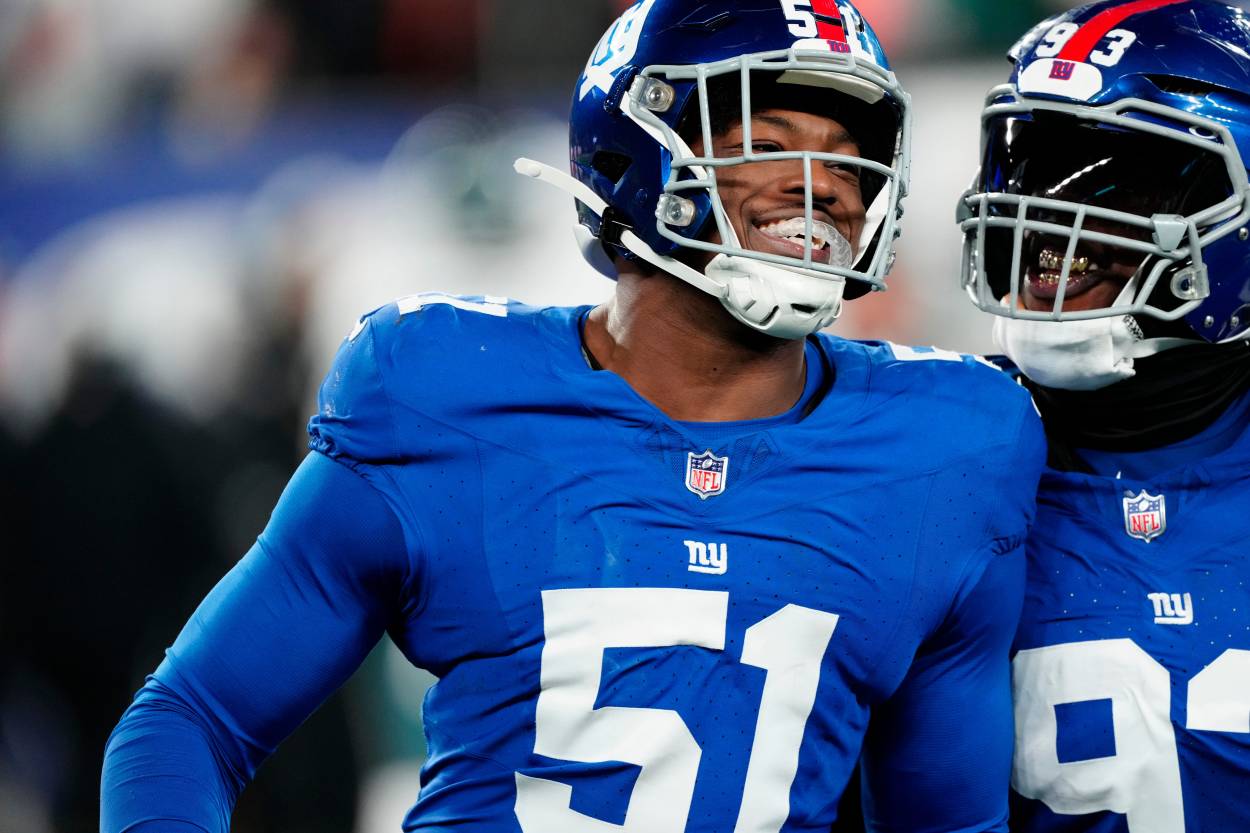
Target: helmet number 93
1108,53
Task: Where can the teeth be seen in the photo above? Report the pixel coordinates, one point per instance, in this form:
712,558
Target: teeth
1053,261
793,230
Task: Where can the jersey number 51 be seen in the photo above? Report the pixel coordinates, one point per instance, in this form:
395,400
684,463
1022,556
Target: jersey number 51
580,624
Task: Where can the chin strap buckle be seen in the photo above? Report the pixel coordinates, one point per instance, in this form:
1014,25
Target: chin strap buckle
611,228
1191,284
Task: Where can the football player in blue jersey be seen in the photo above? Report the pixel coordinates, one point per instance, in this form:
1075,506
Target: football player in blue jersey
667,556
1109,232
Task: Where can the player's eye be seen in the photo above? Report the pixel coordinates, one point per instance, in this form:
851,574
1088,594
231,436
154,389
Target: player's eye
844,170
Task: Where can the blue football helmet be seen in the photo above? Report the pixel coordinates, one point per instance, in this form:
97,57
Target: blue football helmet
1121,135
667,75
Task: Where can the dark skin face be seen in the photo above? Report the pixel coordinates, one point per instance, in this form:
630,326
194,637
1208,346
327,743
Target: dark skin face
1098,273
676,345
758,195
1081,164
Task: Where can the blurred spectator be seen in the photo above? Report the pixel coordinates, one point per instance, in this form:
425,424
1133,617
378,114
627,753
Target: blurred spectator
128,510
535,48
71,72
433,40
992,26
108,526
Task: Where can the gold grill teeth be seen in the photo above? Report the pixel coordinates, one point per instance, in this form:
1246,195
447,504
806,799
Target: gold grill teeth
1053,261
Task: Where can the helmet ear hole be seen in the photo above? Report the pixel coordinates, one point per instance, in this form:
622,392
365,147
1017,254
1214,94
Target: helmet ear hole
611,165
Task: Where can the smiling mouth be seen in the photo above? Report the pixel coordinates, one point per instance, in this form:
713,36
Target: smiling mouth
789,238
1045,272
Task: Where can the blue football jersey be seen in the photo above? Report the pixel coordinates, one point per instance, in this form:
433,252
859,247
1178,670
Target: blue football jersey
637,624
1132,663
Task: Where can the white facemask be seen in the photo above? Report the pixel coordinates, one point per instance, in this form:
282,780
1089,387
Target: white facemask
781,301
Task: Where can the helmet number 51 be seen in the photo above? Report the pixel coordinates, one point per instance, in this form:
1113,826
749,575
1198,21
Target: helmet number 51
802,21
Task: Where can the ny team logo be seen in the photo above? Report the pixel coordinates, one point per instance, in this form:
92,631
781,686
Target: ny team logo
1062,70
706,473
711,558
1172,608
1145,516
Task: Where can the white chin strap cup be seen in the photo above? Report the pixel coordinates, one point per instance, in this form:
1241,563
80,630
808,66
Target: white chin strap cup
750,290
1081,354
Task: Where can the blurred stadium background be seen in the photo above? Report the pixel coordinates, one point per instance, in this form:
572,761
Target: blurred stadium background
197,199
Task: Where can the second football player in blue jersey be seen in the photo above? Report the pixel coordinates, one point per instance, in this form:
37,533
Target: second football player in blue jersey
678,559
1109,233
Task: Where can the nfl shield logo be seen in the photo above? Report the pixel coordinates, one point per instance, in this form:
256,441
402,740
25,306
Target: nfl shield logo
706,473
1145,515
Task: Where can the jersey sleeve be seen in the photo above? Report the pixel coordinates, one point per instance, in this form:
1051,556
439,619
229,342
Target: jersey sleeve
937,757
938,753
278,634
354,420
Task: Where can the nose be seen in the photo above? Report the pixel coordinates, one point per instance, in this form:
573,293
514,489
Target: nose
826,184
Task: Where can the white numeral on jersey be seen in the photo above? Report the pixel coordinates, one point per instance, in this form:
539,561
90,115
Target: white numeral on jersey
1142,779
580,624
1219,695
792,642
490,305
904,353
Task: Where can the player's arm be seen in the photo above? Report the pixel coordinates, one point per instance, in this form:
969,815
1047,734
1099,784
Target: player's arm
938,754
277,635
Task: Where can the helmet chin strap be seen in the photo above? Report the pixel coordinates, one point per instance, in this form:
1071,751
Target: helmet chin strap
745,287
631,241
1081,354
873,219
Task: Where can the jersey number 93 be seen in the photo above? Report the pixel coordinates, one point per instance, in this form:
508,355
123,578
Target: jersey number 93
1141,778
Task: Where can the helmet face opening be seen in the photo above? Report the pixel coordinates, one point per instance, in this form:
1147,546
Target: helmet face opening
1070,166
874,127
1074,203
730,95
1062,157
